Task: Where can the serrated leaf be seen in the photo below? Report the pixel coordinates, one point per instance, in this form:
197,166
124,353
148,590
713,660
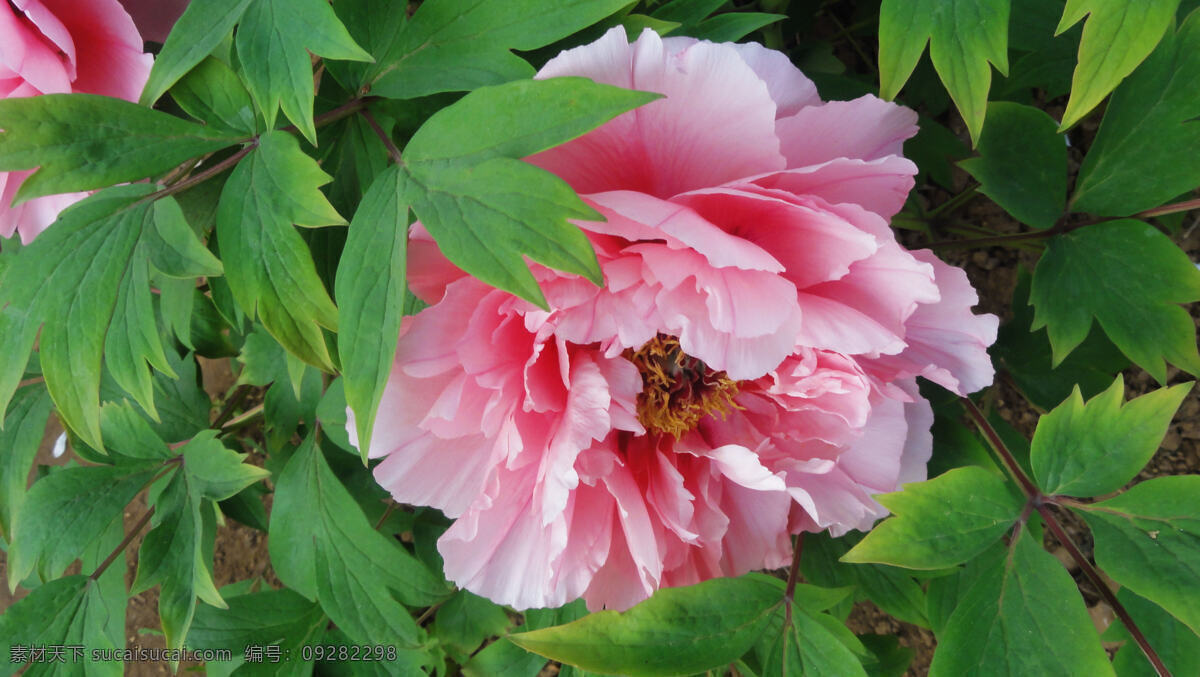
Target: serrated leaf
216,472
24,427
678,631
323,547
268,266
172,556
66,611
1142,156
1148,540
486,209
963,36
940,522
83,142
67,510
273,42
1128,276
1097,448
1022,164
203,24
370,291
459,45
1022,616
1116,38
93,300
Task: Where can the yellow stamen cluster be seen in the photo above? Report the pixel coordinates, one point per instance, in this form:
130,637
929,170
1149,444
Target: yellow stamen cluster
678,390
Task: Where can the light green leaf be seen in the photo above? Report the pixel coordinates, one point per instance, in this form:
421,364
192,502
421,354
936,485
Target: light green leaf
133,340
197,31
67,510
1022,616
130,435
458,45
66,611
273,43
24,426
83,142
678,631
370,291
1128,276
487,209
1022,164
1148,540
1116,38
268,266
1097,448
172,246
940,522
216,472
963,36
172,554
1142,155
808,647
323,547
213,94
502,657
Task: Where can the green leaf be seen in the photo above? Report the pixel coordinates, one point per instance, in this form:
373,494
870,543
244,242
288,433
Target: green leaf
687,12
130,435
1022,616
1148,540
216,472
940,522
273,41
486,208
1097,448
1116,38
24,427
173,248
1174,642
83,142
1128,276
1142,155
465,620
733,26
172,554
891,659
963,36
678,631
67,611
67,510
502,657
459,45
268,266
1026,355
808,647
279,617
377,27
323,547
891,589
370,291
213,94
197,31
1022,164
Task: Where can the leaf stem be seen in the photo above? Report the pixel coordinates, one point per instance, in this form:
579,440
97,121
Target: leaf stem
793,575
392,150
124,544
204,175
235,400
955,201
1041,503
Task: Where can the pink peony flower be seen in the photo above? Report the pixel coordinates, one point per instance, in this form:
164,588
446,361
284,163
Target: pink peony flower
747,372
59,47
154,18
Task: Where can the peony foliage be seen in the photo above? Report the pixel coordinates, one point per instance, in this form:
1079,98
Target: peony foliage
526,337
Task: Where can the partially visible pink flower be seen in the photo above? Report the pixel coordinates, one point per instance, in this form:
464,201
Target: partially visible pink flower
154,18
60,47
747,372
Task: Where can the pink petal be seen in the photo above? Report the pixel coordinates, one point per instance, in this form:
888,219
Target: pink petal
707,131
154,18
109,55
880,185
27,53
429,271
866,128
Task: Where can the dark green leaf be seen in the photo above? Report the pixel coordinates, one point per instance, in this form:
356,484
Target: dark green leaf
458,45
940,522
273,42
62,612
267,263
1094,449
279,617
678,631
1148,540
808,647
24,427
1022,616
891,589
488,210
197,31
733,26
890,658
1116,37
1022,164
963,36
466,619
370,290
502,657
1142,155
375,25
1128,276
1174,642
130,435
67,510
83,142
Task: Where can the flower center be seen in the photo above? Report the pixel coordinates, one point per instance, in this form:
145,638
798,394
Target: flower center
678,390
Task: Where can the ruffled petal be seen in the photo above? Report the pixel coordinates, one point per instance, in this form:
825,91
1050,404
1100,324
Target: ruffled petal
867,128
